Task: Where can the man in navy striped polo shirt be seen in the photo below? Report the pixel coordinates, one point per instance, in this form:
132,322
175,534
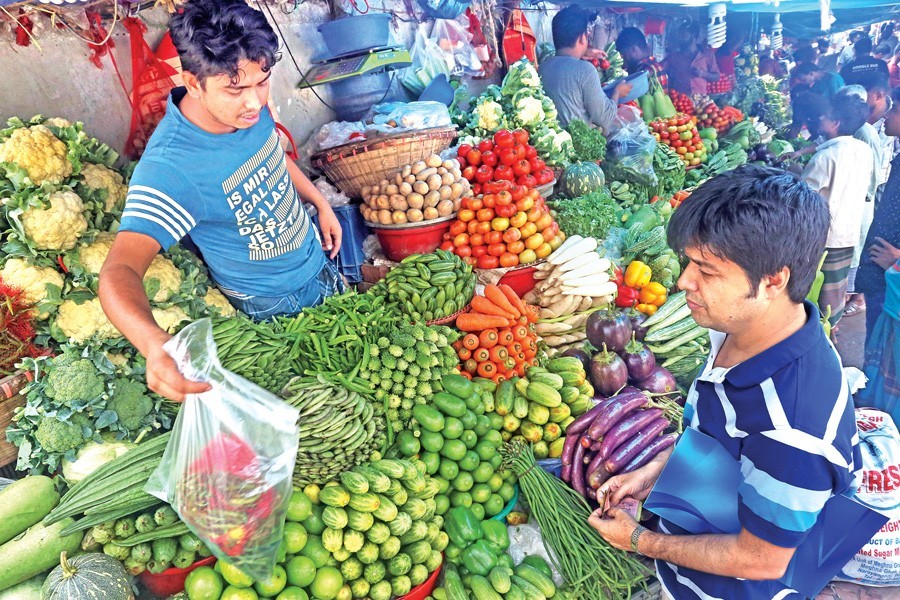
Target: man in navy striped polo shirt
772,392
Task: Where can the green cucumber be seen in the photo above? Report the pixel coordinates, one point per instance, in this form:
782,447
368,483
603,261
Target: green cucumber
536,578
684,338
25,502
27,590
670,331
34,551
675,302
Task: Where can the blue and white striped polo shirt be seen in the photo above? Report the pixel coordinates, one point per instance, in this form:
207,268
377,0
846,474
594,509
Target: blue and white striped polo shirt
787,416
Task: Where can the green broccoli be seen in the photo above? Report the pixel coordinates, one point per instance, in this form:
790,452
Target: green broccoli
130,402
55,435
72,378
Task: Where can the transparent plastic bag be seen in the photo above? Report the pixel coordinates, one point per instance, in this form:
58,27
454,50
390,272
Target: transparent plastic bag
456,43
395,116
228,466
428,61
629,151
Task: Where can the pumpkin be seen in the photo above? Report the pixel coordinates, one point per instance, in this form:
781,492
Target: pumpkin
580,179
91,576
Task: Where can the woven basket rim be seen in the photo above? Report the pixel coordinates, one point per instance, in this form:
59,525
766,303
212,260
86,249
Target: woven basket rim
353,148
450,318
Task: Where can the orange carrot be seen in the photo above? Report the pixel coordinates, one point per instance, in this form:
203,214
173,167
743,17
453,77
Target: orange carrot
473,321
495,295
484,306
513,298
533,313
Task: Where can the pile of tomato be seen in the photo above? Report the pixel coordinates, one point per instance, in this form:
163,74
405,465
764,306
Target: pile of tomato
507,225
680,133
719,118
506,157
682,102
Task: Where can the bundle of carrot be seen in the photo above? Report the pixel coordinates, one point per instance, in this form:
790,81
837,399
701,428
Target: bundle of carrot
499,341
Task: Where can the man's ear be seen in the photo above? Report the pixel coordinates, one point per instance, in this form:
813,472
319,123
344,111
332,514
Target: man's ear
777,284
192,83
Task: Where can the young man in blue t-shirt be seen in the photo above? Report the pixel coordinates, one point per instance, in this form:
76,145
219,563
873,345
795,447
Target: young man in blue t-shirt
214,169
772,392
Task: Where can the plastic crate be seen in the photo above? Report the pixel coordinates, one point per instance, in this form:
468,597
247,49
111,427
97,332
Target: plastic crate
354,232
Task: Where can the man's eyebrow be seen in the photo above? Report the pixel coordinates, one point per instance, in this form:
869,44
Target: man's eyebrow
241,87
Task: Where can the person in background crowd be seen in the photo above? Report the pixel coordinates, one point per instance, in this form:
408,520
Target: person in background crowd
855,71
692,66
826,58
826,84
725,61
888,35
877,94
885,226
806,55
572,83
847,54
894,68
807,110
772,392
768,65
841,171
883,51
632,45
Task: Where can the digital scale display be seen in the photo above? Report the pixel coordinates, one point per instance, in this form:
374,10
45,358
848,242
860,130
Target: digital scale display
338,68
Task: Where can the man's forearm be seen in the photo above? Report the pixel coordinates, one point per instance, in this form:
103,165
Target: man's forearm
126,305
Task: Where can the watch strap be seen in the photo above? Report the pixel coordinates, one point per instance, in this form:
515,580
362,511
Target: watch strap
635,536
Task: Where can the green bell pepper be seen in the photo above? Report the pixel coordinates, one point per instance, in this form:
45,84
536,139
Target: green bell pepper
496,535
479,558
462,526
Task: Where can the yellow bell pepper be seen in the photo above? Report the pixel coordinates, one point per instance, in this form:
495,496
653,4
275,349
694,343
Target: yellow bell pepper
637,275
647,309
653,293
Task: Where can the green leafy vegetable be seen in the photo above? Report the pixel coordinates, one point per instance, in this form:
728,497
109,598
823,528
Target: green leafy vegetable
591,215
589,142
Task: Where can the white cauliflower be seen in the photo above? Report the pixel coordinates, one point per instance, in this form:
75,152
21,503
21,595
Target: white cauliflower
40,153
167,274
31,279
99,177
170,318
529,110
57,227
93,255
120,360
489,116
80,322
216,300
57,122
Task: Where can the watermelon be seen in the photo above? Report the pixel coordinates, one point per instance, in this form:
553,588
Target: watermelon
580,179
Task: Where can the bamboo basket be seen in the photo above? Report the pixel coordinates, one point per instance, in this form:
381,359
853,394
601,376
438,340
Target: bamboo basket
10,399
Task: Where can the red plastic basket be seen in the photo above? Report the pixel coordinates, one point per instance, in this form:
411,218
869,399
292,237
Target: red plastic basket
521,280
171,581
424,589
401,242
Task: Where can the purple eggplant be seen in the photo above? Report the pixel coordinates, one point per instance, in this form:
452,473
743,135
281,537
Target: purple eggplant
608,372
657,445
568,451
620,457
610,328
626,428
581,423
578,470
637,324
629,389
615,412
596,474
638,360
659,381
581,355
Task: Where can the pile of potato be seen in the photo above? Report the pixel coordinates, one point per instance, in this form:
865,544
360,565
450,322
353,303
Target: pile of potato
426,190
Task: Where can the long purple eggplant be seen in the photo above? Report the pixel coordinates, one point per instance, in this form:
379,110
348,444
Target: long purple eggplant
656,446
626,428
568,449
578,470
596,474
620,457
580,424
613,412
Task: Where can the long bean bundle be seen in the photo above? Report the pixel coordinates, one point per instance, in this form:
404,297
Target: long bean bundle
592,567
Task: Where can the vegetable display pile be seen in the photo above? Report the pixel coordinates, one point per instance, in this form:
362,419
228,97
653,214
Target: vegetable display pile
518,103
656,104
507,226
589,142
680,132
593,568
498,342
721,119
338,430
649,246
423,191
636,288
670,170
428,287
458,442
682,102
507,156
253,351
591,215
677,341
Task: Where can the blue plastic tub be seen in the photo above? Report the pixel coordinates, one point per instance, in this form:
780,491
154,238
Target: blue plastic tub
509,506
551,465
354,232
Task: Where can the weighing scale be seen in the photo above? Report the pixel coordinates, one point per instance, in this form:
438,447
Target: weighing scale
337,68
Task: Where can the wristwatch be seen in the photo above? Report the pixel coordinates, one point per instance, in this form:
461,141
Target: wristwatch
635,536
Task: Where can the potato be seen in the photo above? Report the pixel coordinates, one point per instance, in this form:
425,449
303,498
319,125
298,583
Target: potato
414,215
375,190
456,190
434,182
457,174
432,198
399,217
445,192
451,164
433,161
398,179
457,203
445,208
415,200
420,187
430,213
410,179
424,175
418,167
364,211
365,191
405,189
384,183
406,171
447,178
382,202
398,202
391,190
385,217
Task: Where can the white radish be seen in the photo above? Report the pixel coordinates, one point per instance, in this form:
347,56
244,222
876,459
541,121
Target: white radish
570,242
551,328
602,301
582,260
602,289
586,303
553,340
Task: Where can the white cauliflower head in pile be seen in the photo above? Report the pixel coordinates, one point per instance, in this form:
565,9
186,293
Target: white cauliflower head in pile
93,255
217,300
58,227
81,322
31,279
163,270
99,177
40,153
170,318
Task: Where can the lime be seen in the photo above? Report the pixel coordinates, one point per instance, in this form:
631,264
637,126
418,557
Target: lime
294,537
313,523
494,505
442,504
481,493
203,583
482,426
470,461
496,425
327,584
478,511
292,593
234,576
469,439
495,482
315,551
236,593
463,482
506,492
299,507
453,428
300,571
312,492
432,462
448,469
483,472
274,584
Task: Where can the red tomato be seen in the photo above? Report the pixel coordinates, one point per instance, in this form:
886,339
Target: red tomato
512,235
476,239
469,172
485,214
495,187
448,245
508,259
476,189
457,228
504,139
504,198
493,237
520,136
461,240
521,151
530,152
544,176
516,247
464,149
463,251
482,227
521,168
462,162
527,181
474,157
536,164
504,173
488,261
486,145
484,174
518,192
479,251
489,201
497,249
489,158
508,156
506,210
